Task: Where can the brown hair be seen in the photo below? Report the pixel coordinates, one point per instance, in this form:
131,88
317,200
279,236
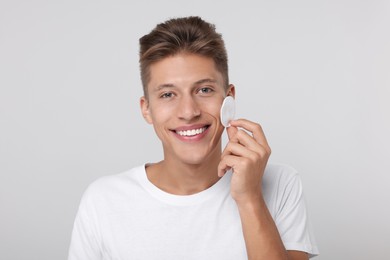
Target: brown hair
188,34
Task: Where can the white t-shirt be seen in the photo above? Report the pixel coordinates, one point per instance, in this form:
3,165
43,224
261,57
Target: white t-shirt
125,216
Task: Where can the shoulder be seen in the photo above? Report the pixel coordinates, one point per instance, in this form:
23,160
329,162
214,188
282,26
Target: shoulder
281,183
279,173
110,186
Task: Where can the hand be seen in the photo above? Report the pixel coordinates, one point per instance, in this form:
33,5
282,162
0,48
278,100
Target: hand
247,154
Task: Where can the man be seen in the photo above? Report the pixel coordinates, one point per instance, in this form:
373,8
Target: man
199,202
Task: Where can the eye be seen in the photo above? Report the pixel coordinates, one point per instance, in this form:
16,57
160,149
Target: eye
167,95
205,90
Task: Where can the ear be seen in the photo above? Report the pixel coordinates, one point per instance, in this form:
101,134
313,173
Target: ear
144,103
231,91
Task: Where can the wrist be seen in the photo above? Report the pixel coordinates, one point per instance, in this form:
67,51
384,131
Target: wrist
252,202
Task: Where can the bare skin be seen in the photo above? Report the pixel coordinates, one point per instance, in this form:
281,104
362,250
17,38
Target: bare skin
247,154
185,94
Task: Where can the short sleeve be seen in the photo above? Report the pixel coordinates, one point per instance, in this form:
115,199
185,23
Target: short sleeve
85,236
292,219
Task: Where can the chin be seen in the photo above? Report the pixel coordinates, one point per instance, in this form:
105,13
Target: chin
198,157
193,160
195,154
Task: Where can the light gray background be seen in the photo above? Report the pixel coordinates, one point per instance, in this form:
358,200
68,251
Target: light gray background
315,74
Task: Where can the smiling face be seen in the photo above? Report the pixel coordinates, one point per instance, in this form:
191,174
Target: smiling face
185,94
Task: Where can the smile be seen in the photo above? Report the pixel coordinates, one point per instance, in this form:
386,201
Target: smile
191,132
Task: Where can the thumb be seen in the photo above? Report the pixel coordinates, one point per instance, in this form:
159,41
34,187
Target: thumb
231,132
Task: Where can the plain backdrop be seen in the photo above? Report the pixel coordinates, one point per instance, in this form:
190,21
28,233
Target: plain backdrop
314,74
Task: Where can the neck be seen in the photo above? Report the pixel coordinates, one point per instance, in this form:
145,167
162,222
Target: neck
180,178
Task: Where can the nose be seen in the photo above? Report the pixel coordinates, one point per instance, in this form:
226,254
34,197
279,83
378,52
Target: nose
188,108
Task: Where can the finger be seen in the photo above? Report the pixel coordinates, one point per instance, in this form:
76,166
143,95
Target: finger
237,164
239,150
227,163
252,127
231,132
248,141
229,149
244,144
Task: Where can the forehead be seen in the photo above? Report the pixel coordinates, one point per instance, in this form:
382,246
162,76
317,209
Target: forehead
183,69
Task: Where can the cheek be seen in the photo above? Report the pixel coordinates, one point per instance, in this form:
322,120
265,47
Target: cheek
214,110
160,114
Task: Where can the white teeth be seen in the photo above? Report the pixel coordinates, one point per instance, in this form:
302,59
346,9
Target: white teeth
191,132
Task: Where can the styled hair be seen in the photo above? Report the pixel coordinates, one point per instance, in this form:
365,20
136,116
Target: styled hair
182,35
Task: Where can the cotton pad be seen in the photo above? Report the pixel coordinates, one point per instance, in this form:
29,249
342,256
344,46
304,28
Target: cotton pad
228,111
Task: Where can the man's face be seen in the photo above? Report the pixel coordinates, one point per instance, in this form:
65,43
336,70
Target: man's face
185,94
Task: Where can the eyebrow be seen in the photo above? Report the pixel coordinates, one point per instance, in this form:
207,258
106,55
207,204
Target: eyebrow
202,81
162,86
199,82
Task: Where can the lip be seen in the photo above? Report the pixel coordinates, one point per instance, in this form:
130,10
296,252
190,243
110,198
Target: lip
190,127
193,138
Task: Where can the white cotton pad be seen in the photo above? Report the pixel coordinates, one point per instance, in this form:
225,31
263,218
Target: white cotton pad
228,111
